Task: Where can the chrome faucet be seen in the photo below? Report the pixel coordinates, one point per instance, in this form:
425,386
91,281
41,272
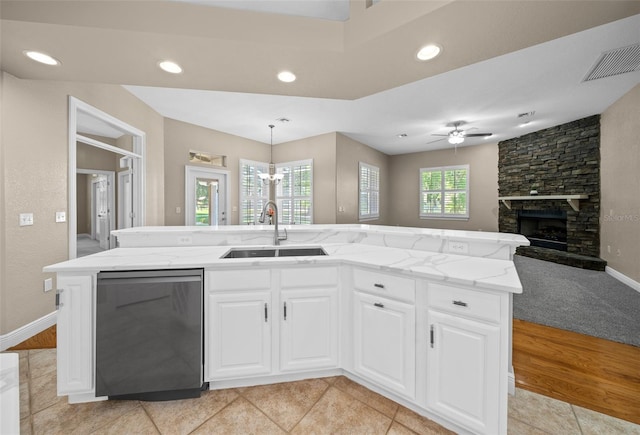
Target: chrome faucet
276,235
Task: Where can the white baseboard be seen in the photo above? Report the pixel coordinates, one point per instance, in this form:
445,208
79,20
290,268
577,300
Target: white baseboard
19,335
623,278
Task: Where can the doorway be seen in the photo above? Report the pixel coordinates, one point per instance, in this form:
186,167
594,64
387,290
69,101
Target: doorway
206,196
95,209
99,132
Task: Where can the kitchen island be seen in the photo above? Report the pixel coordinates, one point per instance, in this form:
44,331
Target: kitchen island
421,316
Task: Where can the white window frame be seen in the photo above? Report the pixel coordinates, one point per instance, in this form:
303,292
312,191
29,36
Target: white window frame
372,215
442,191
260,167
292,197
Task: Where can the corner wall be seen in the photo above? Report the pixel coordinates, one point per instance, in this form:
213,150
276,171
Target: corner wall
322,149
349,153
35,165
483,187
180,137
620,185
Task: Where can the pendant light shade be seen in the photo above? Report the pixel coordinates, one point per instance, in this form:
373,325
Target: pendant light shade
272,176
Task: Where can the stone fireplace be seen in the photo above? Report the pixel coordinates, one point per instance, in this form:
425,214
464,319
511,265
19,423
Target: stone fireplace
539,174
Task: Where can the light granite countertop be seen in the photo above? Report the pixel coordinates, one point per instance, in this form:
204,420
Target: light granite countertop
482,273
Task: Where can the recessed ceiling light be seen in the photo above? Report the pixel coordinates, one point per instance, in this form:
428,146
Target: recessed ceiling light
286,76
41,57
428,52
170,67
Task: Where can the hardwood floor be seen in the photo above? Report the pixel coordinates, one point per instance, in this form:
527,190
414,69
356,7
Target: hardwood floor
590,372
44,340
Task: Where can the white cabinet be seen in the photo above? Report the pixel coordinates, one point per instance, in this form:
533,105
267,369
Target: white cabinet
384,342
261,321
239,334
465,359
308,318
75,334
238,321
309,329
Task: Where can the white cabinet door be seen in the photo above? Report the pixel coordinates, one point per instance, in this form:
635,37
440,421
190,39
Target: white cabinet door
75,334
384,342
308,329
238,335
463,371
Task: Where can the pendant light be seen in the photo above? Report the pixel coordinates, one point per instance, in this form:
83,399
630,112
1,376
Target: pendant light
272,176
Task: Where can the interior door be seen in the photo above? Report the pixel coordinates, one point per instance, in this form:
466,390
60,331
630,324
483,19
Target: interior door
100,192
125,199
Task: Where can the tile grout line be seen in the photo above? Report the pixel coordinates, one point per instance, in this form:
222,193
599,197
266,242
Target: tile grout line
140,402
261,411
329,385
216,413
573,411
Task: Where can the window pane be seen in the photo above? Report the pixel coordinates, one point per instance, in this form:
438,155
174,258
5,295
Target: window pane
302,211
432,180
431,203
364,203
461,179
374,203
455,203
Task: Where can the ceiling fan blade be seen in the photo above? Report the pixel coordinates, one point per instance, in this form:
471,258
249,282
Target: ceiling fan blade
437,140
478,135
445,135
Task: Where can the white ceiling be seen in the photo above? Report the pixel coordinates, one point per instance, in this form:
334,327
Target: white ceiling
358,77
335,10
545,78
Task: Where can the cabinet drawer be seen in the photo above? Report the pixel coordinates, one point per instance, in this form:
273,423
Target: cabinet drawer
222,280
390,286
309,277
465,302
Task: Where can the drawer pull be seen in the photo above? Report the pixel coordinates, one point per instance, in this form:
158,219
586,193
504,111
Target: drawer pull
266,314
378,285
379,305
460,303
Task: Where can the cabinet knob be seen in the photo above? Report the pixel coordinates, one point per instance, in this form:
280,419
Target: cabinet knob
378,285
460,303
379,305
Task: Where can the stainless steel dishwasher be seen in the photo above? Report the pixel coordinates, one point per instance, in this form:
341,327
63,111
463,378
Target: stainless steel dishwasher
149,334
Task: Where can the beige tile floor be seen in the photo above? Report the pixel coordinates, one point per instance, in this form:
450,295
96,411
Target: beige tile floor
316,406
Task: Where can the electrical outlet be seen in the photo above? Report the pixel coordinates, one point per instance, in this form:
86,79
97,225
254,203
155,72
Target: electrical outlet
48,284
459,247
26,219
61,216
178,210
185,240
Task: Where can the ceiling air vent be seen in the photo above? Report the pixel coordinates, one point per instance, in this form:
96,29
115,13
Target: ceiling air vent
614,62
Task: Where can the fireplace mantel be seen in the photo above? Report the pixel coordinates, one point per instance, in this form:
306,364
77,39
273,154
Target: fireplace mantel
573,200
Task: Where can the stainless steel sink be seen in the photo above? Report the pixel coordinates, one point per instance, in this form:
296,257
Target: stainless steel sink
249,253
294,251
300,252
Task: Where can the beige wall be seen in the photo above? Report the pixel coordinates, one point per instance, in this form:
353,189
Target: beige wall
349,154
180,137
483,187
620,185
322,149
35,164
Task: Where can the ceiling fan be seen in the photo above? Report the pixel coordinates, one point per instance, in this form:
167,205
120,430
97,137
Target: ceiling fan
457,136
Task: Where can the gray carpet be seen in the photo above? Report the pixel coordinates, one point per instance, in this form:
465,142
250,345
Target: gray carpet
578,300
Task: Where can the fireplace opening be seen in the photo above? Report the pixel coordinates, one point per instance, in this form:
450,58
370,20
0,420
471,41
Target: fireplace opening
544,228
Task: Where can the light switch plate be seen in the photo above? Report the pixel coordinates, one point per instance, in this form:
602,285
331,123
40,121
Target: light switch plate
26,219
61,216
48,284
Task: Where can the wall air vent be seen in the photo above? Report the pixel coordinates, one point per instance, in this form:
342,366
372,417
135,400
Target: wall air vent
614,62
